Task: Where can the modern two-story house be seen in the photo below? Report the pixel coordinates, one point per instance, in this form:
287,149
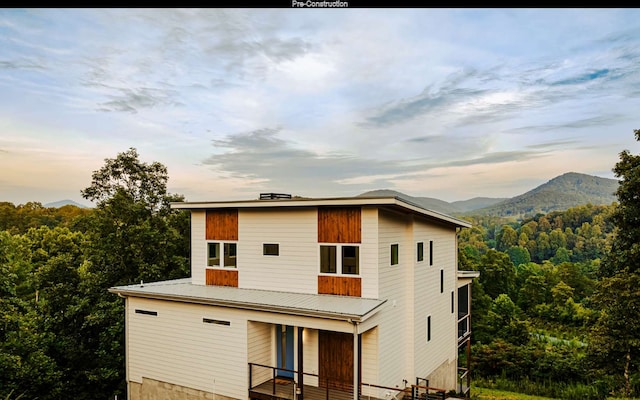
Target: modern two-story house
335,298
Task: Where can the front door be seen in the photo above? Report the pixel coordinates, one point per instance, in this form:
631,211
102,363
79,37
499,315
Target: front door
284,348
335,356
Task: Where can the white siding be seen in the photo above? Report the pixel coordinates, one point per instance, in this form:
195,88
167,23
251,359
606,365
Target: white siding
177,347
260,343
394,333
296,268
369,252
198,247
370,362
430,301
310,356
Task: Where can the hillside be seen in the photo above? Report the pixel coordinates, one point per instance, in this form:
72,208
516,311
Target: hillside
560,193
62,203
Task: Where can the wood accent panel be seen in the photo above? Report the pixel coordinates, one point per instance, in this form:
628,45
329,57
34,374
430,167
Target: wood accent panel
339,224
335,359
222,277
340,285
222,224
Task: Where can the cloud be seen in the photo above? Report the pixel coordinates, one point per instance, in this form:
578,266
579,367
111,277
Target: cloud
132,100
20,64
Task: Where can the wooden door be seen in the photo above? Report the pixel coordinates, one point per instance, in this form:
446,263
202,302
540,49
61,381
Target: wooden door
335,359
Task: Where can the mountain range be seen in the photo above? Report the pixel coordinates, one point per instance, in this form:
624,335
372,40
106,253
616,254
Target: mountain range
560,193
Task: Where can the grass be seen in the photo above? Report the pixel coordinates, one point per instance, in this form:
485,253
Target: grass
478,393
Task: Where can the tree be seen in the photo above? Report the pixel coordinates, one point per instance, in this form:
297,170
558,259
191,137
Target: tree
615,341
133,235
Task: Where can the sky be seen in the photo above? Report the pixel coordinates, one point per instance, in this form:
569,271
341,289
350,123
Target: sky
444,103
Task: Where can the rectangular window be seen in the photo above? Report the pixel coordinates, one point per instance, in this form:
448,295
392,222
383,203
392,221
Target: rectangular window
429,328
230,255
441,281
453,300
430,252
271,249
420,250
146,312
350,260
394,254
216,321
328,259
214,255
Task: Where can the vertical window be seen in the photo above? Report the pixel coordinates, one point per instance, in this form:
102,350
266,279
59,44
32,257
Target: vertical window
350,260
429,328
441,281
271,249
328,259
420,251
394,254
230,255
452,302
213,259
430,252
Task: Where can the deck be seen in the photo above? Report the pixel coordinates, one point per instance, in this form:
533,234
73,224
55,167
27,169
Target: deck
285,390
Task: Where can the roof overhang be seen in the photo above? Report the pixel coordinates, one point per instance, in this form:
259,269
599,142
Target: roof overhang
392,202
344,308
466,277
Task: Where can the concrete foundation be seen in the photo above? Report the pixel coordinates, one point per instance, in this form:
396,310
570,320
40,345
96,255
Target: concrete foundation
150,389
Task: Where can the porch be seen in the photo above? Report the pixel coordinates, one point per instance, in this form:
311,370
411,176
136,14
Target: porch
278,388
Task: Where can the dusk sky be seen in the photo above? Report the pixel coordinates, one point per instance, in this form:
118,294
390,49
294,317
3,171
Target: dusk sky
444,103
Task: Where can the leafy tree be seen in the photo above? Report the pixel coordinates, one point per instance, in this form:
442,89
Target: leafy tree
497,273
616,337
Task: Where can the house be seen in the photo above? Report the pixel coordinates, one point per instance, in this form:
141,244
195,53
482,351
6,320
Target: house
305,298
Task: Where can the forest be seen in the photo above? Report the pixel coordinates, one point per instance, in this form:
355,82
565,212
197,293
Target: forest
555,311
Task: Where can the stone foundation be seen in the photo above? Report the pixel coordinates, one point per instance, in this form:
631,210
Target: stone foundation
150,389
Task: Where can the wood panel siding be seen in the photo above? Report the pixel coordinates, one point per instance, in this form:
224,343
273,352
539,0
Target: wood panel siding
340,285
222,224
222,277
339,225
335,356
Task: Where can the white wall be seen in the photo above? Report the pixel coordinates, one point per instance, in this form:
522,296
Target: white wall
296,268
260,340
198,246
429,300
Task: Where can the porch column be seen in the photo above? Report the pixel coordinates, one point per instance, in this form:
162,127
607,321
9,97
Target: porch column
356,359
300,364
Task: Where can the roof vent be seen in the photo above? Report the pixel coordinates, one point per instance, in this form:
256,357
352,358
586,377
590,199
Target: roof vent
274,196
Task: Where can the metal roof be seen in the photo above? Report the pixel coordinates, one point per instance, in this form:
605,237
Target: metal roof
385,201
312,305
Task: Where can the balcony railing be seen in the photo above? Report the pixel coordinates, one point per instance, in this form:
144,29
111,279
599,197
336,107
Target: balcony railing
464,326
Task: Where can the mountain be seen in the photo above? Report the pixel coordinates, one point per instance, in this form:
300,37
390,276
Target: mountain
62,203
560,193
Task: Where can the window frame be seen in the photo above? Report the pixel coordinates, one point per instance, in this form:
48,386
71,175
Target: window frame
428,329
393,246
222,256
339,258
420,252
264,249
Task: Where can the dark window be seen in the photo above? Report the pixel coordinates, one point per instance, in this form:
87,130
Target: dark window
441,281
230,254
452,302
429,328
350,260
215,321
328,259
146,312
271,249
430,252
420,251
394,254
214,255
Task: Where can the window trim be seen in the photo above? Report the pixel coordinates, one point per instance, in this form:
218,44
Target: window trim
428,328
430,252
420,252
221,244
441,280
339,258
